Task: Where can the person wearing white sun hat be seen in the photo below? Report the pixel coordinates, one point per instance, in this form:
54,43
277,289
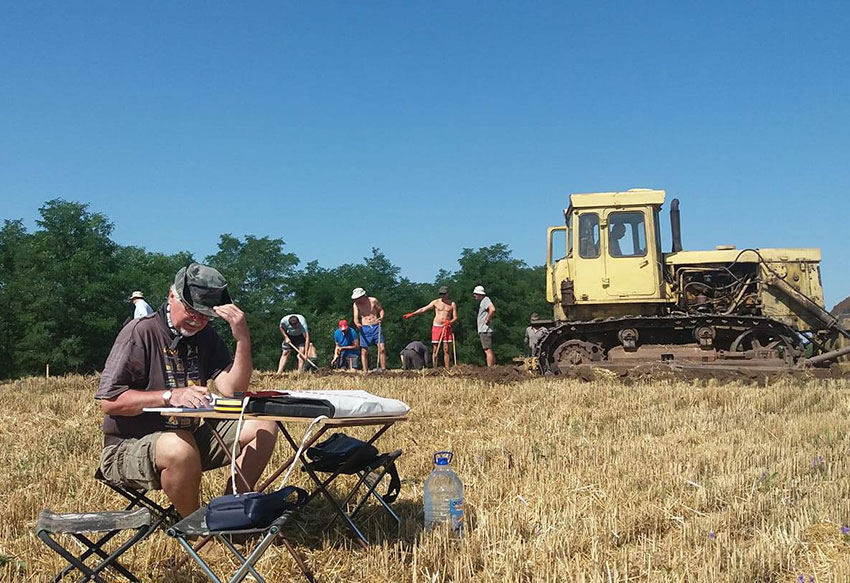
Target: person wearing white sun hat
486,309
142,308
368,315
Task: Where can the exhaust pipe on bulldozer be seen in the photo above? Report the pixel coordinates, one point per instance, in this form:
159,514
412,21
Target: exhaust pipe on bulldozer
676,225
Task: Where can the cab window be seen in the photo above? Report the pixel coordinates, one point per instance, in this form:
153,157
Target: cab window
627,234
588,235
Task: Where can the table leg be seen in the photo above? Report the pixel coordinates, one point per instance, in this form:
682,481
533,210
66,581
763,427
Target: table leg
201,543
321,486
277,473
226,449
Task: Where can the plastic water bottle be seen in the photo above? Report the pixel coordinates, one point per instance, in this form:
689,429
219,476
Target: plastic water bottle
443,494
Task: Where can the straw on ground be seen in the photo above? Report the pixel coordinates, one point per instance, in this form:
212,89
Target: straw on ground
565,481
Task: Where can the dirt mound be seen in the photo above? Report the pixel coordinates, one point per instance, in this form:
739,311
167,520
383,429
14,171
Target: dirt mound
498,374
638,374
744,375
501,374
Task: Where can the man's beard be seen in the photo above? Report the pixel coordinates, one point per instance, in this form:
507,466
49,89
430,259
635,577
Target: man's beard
186,333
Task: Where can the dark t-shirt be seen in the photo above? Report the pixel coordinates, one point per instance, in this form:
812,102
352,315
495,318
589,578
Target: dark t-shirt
142,358
416,355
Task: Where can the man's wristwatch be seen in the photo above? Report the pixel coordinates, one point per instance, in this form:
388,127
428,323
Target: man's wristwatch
166,396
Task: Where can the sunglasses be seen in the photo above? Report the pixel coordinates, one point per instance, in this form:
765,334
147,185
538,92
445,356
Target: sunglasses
192,312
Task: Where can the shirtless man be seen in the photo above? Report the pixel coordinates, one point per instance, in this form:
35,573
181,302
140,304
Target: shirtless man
368,315
445,314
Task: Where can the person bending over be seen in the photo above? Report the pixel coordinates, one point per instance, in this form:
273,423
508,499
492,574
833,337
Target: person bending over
296,337
415,356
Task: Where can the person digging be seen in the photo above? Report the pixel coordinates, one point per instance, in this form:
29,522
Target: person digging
296,338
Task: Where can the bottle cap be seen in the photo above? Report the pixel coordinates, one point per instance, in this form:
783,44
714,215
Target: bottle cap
443,458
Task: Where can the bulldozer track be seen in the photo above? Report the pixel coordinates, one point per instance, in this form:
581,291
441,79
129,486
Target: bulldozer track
674,329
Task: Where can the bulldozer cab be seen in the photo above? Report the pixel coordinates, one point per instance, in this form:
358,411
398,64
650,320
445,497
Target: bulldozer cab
613,249
630,268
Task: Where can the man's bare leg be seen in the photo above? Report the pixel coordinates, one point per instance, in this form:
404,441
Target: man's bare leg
382,355
446,360
179,462
257,441
491,357
284,356
364,358
435,352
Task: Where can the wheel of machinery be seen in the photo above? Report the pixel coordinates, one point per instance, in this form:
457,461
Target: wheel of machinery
757,340
628,337
575,352
705,336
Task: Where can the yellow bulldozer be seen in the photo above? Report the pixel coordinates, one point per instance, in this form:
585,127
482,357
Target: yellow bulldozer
620,300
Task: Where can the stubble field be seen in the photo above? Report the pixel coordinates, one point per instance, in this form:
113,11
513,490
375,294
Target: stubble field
566,480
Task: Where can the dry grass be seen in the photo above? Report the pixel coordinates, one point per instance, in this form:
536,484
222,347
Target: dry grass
565,481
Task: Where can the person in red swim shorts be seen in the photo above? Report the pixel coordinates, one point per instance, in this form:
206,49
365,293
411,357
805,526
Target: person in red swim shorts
445,314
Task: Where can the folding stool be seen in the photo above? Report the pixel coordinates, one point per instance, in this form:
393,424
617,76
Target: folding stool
50,524
371,474
138,498
195,525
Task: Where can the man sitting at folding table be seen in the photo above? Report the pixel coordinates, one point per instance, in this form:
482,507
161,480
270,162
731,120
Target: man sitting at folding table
166,359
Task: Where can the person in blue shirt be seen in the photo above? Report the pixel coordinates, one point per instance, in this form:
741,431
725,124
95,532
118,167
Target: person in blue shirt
346,347
142,308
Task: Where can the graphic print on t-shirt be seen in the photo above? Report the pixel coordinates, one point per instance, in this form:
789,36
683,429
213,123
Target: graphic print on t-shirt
179,373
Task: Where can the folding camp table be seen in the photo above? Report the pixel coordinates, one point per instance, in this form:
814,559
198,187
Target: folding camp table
382,424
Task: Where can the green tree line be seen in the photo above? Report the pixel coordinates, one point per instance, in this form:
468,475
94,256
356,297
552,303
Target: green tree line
64,293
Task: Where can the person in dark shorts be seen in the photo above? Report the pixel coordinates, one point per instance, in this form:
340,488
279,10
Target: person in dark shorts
486,309
415,356
296,338
166,360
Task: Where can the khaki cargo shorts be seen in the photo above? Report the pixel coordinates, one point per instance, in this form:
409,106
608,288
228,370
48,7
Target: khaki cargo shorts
486,339
132,461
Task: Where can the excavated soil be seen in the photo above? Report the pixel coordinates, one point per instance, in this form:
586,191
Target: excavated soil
639,374
650,372
497,374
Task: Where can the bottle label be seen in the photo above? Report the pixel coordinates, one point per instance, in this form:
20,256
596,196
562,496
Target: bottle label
456,513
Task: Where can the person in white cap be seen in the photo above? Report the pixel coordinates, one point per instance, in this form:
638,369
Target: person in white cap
368,315
486,309
142,307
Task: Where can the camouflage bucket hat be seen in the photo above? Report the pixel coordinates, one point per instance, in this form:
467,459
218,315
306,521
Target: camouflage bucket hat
202,288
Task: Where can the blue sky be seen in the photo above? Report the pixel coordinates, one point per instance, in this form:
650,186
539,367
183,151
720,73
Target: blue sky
424,128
